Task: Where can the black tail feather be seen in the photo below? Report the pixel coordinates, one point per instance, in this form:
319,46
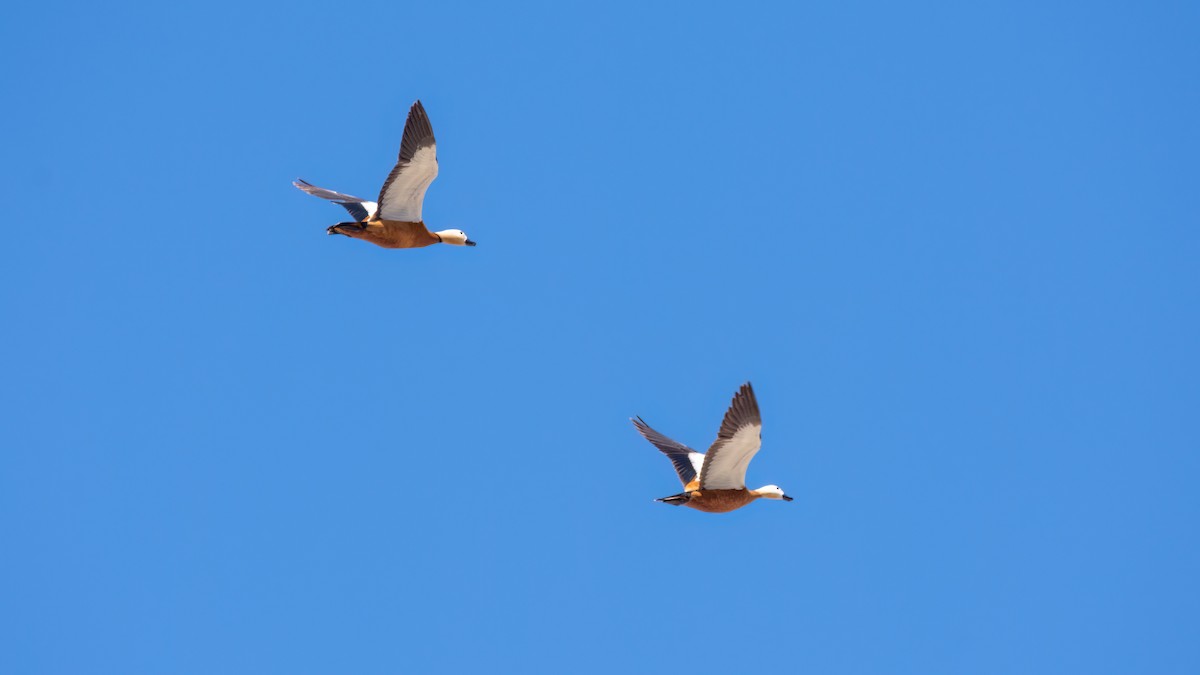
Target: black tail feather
676,500
342,228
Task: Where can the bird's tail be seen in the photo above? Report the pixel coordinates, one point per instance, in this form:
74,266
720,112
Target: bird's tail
676,500
348,229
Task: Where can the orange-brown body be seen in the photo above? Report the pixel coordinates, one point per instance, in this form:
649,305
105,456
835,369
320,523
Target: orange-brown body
389,233
720,501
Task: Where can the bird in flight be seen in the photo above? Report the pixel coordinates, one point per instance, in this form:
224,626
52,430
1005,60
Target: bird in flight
394,221
715,481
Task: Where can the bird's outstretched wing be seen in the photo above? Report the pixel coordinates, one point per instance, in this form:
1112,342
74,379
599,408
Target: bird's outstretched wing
738,440
404,190
359,208
686,460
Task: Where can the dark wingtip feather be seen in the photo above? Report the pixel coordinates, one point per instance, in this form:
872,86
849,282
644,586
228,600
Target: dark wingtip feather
418,132
743,409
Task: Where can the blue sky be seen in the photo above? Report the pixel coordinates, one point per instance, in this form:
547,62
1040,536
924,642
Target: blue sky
954,248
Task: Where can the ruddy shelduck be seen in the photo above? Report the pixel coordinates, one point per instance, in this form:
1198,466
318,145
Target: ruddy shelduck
395,221
715,481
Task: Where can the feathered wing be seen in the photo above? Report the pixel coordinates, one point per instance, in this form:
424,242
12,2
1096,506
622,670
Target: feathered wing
687,461
404,190
738,440
359,208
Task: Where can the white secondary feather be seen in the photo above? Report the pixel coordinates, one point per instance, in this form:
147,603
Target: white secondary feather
404,194
371,208
697,461
727,467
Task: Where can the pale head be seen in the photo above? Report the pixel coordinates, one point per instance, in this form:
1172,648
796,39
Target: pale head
772,492
456,237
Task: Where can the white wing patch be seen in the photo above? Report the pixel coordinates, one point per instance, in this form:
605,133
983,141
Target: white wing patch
405,192
727,466
371,208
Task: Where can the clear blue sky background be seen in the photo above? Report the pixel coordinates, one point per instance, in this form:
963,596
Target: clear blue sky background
955,250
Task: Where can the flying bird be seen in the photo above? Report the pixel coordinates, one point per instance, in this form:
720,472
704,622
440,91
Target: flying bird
394,220
715,481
